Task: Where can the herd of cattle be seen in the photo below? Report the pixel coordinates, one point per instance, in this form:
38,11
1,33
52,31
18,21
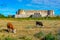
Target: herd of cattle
10,26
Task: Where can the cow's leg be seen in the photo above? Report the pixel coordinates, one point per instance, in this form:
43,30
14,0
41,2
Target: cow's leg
8,29
38,25
42,26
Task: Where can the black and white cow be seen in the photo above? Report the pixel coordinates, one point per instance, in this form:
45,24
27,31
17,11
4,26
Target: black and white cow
39,24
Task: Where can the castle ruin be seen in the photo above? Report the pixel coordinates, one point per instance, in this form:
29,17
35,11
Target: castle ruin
34,13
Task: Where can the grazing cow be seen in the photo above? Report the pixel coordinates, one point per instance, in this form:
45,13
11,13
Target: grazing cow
39,24
10,27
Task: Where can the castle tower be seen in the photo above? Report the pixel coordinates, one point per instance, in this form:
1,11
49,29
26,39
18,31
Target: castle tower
50,13
20,12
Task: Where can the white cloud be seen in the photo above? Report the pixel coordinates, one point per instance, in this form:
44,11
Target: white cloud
54,2
48,3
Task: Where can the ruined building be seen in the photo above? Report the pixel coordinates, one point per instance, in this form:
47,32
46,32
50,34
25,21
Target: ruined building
34,13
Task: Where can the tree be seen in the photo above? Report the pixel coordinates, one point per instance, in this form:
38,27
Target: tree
1,15
11,16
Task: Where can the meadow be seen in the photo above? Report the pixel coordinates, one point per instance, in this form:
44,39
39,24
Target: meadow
27,30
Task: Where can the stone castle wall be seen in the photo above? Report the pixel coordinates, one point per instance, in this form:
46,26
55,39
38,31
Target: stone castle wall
27,13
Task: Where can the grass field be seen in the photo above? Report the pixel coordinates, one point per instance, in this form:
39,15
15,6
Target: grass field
27,28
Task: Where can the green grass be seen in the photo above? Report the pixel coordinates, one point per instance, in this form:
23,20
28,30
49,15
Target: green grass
29,18
50,37
25,38
8,38
39,35
29,23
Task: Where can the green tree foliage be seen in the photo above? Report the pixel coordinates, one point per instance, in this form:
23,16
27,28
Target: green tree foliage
2,16
11,16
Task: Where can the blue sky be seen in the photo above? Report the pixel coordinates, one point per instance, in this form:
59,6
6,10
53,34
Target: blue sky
11,6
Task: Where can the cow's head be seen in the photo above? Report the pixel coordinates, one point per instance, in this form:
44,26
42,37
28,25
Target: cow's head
14,31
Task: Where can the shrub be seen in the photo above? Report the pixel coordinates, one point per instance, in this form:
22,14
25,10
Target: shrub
10,38
58,34
2,16
49,37
58,37
39,35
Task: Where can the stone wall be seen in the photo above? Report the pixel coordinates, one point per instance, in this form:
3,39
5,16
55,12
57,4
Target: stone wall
28,13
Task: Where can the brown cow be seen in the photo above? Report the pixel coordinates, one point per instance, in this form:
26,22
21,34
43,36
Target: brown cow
10,27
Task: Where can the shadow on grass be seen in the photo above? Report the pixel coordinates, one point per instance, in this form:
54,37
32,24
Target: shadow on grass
4,30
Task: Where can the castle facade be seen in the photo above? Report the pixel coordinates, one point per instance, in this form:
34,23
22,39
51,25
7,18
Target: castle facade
34,13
